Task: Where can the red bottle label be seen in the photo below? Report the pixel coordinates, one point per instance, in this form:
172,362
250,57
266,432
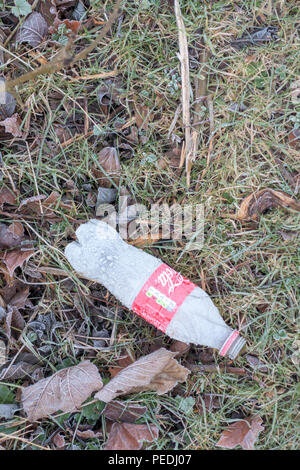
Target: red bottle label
161,296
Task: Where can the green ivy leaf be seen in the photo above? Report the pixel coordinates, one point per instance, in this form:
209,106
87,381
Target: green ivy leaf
92,412
185,404
7,397
21,8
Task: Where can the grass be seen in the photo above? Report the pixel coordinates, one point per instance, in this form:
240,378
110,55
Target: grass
250,271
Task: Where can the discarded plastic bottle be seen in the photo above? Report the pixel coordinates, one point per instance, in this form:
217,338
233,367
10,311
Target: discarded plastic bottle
151,288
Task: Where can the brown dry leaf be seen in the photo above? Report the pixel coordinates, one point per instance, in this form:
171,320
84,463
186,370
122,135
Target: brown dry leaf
157,371
18,371
171,160
146,240
7,102
208,403
122,362
15,294
20,299
33,30
108,160
48,10
11,235
243,433
121,411
72,26
65,390
294,139
12,125
259,201
142,116
14,323
110,92
180,348
59,441
89,434
127,436
15,259
7,197
42,205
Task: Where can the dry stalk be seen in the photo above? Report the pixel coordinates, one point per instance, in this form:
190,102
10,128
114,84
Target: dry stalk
185,84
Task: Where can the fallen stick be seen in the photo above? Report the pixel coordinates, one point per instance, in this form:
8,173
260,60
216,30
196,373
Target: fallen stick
185,87
64,58
213,368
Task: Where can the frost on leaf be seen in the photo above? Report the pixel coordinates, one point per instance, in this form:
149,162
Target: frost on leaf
128,436
243,433
34,30
12,125
66,390
157,371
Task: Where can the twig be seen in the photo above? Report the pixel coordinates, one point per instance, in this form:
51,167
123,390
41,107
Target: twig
19,24
212,368
65,58
210,107
26,441
185,87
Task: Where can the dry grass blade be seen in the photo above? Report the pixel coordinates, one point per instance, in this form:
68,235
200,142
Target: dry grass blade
185,91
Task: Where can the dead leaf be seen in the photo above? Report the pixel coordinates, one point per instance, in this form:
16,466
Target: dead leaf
18,371
243,433
14,323
59,441
15,294
121,411
33,30
146,240
180,348
256,364
108,161
11,235
110,92
72,26
42,206
89,434
288,234
157,371
8,411
259,201
171,160
7,102
208,402
7,197
15,259
12,125
142,116
122,362
294,139
127,436
48,11
65,390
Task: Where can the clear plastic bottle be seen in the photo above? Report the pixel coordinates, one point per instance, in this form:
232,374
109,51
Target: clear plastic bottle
144,284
